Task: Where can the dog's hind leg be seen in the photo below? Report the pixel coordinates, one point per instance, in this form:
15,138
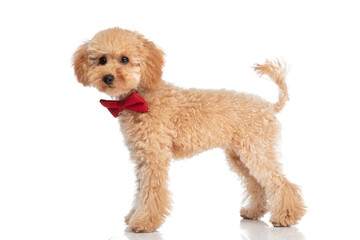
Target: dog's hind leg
255,193
285,201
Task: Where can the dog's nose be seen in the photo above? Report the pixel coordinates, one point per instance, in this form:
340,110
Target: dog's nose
108,79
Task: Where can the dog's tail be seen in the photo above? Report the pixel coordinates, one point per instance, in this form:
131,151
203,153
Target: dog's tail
277,72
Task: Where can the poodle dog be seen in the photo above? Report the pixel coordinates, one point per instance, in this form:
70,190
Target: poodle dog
179,123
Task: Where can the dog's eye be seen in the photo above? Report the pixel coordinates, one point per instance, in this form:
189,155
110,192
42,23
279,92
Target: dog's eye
124,60
102,61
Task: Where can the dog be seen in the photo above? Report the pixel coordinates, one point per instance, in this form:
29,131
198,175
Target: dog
177,123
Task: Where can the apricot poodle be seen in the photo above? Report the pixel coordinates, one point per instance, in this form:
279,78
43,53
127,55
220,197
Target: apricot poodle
179,123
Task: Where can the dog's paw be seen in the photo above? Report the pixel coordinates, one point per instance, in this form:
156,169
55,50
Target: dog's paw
142,225
289,207
252,213
286,219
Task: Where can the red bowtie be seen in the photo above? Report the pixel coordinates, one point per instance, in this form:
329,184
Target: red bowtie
133,102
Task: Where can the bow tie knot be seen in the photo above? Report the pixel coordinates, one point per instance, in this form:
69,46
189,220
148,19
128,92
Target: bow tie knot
133,103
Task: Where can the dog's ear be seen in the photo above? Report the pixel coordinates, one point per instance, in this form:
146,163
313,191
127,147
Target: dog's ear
81,64
151,63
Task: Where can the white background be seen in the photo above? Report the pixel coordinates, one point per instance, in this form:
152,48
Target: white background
64,170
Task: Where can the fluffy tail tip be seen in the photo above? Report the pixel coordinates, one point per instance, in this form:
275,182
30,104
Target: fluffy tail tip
276,70
270,68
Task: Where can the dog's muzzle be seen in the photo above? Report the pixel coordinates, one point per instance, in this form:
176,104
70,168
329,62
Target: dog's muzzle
108,79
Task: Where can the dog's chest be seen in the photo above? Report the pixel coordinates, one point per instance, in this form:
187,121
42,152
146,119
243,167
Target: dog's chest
131,122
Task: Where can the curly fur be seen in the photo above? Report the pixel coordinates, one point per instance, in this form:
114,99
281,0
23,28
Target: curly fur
184,122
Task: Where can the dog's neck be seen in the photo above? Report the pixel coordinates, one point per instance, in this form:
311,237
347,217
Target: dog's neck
143,91
139,90
125,95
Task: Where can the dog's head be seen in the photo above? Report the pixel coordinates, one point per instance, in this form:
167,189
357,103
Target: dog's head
117,61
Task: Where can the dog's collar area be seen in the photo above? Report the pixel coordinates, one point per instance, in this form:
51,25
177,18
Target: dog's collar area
133,103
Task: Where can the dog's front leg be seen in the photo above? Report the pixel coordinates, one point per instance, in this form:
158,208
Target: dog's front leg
152,203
